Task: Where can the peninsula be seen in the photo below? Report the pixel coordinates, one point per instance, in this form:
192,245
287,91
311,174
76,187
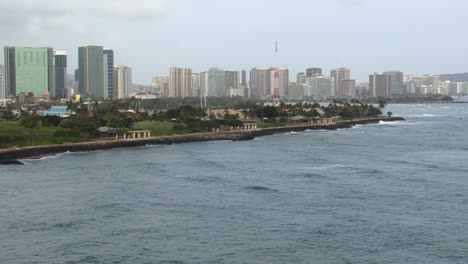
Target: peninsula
11,156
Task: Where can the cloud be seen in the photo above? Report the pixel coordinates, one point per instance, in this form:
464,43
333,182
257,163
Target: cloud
27,19
107,8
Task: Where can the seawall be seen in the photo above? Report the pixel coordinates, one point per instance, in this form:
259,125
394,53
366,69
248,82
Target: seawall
11,156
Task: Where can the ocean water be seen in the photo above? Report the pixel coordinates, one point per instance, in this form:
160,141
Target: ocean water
382,193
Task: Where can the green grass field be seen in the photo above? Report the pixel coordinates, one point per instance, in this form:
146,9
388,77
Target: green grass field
11,134
156,128
163,128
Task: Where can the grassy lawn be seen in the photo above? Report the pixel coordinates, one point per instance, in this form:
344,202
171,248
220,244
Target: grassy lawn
157,128
167,128
11,134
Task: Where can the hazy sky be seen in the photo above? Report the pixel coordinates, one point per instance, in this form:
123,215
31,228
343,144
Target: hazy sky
424,36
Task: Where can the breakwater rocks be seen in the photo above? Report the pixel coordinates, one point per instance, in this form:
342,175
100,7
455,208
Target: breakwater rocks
11,156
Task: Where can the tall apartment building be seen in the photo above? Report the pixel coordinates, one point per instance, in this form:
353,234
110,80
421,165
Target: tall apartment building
157,84
296,91
362,89
301,78
380,85
244,84
457,88
396,82
216,86
196,92
2,82
244,79
319,86
2,86
279,81
28,70
91,72
259,83
60,74
340,75
108,60
180,82
203,83
349,88
231,79
122,82
213,83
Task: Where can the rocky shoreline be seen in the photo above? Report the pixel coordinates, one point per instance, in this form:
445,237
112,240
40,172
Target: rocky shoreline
12,156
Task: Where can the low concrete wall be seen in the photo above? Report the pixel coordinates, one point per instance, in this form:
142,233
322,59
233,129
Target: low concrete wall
10,156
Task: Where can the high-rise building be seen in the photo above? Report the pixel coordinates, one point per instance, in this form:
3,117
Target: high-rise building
296,91
244,79
319,86
196,85
310,72
28,70
301,78
2,86
340,75
457,88
108,60
91,72
362,89
231,79
122,82
203,82
380,85
180,82
244,84
279,81
9,69
216,86
259,83
2,82
157,83
60,74
349,88
396,80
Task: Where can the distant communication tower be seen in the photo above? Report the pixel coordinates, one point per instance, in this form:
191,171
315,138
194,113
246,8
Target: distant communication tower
276,80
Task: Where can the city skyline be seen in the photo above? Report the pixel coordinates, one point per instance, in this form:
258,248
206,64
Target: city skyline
245,36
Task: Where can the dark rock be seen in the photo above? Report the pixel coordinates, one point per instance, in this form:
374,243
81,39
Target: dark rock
10,162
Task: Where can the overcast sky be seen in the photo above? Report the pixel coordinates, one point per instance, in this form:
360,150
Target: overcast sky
423,36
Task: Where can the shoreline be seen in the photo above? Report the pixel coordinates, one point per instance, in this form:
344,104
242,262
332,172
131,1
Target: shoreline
12,156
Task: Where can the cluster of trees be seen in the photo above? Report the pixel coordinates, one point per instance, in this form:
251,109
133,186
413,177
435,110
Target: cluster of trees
88,118
347,110
354,109
7,112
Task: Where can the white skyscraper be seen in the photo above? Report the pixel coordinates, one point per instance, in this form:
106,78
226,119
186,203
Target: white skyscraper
123,81
180,82
319,86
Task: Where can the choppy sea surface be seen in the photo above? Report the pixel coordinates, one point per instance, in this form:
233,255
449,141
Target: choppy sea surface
383,193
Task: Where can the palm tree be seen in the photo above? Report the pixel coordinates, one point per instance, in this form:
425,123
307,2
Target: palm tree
382,104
